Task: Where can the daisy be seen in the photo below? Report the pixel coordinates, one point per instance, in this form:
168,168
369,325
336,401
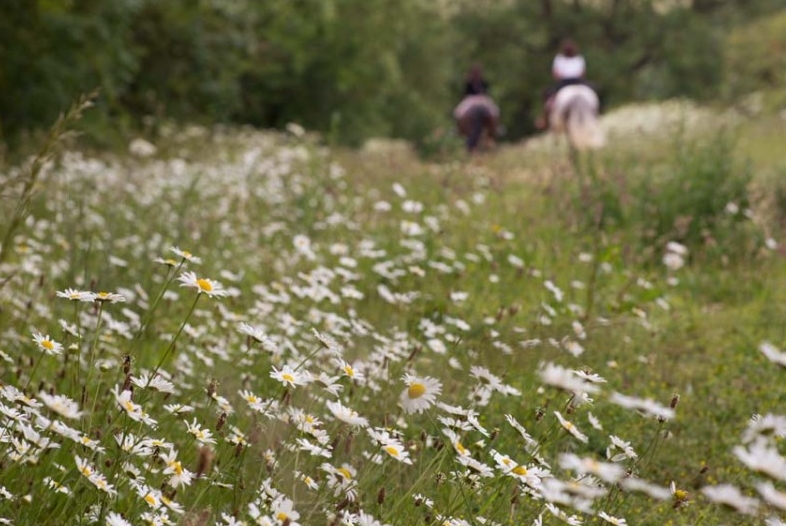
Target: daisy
395,449
645,405
115,519
47,344
531,442
329,383
771,495
169,262
132,409
56,486
313,449
185,255
767,425
178,409
255,333
627,450
476,466
573,520
237,437
347,369
341,480
284,512
97,479
307,480
570,428
289,377
76,295
455,441
606,471
157,382
180,475
203,436
346,415
109,297
763,457
773,354
420,394
202,285
565,379
612,520
61,405
732,497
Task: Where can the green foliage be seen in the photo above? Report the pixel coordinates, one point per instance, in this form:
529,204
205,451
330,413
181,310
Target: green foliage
699,198
755,56
351,69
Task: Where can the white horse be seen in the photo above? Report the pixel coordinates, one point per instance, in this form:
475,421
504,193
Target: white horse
574,112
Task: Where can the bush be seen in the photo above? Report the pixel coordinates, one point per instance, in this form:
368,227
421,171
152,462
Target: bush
700,198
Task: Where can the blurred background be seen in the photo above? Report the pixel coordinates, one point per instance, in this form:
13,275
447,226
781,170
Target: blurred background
355,69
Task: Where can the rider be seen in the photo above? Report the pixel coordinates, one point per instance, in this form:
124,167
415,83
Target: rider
568,67
475,83
476,104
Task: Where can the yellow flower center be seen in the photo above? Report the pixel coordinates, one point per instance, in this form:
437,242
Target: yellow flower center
460,448
520,470
282,516
204,285
416,390
177,466
151,499
345,473
288,377
49,344
392,451
680,494
187,254
349,370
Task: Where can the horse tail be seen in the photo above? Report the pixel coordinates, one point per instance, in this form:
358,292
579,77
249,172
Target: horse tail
582,125
479,116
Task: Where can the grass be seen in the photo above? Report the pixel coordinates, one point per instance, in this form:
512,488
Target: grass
454,310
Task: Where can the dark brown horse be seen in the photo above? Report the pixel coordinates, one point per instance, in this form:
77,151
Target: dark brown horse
477,118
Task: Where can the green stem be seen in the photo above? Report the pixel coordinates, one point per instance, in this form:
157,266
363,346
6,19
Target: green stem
174,340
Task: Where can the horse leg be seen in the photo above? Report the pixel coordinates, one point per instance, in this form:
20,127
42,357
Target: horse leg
477,120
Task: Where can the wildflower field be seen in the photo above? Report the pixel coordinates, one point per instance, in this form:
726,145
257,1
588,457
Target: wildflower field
239,327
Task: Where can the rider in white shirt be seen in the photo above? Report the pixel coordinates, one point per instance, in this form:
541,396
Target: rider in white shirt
568,67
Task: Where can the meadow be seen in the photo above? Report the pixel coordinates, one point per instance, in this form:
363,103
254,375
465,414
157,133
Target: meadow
245,327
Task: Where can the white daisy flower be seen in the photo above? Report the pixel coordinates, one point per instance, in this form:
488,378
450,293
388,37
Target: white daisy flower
289,377
346,415
571,428
47,344
420,394
61,405
203,436
202,285
185,255
731,496
77,295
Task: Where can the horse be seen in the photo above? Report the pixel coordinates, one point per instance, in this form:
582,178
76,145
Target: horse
574,113
476,115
